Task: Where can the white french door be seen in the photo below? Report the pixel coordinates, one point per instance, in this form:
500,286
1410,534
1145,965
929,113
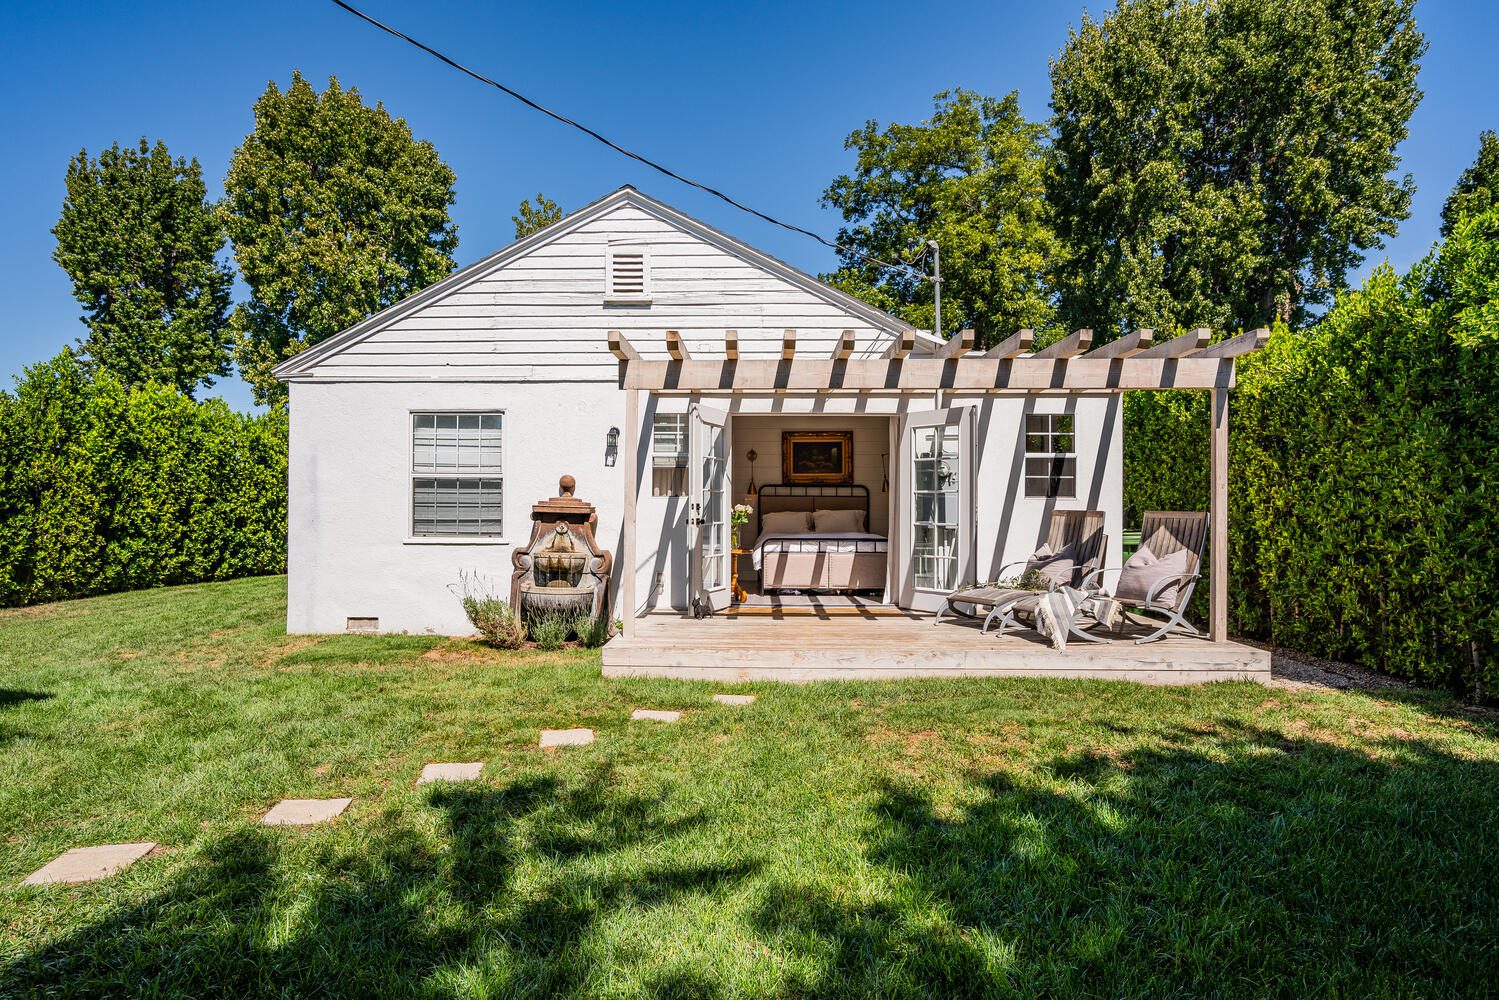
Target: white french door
936,519
708,513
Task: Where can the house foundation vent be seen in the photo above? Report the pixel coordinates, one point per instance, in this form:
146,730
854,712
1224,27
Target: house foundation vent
361,624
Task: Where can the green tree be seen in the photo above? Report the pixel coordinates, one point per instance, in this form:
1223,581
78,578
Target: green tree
970,178
533,218
1226,162
336,212
140,241
1477,189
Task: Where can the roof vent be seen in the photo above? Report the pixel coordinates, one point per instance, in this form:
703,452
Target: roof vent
628,276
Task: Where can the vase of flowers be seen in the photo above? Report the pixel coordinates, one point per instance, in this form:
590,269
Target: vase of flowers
738,518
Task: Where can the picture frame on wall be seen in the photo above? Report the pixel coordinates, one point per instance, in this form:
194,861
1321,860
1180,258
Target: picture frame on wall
825,457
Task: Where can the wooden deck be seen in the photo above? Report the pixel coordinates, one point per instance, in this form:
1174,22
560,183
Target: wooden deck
871,645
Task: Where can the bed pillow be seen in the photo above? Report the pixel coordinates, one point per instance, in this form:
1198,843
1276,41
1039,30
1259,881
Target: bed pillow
831,522
785,522
1059,567
1142,571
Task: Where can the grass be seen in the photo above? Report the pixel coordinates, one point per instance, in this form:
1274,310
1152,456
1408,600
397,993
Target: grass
966,838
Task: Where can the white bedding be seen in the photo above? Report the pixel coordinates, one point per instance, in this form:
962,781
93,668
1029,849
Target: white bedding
813,541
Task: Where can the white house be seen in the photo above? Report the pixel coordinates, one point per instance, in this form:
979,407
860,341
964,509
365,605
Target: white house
648,355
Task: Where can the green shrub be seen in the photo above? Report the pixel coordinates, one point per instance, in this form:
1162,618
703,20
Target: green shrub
1364,467
591,632
490,615
550,631
105,488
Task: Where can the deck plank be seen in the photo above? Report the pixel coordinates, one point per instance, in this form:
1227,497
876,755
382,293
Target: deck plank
807,647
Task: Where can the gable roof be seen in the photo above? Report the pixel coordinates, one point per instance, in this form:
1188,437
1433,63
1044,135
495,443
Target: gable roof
627,195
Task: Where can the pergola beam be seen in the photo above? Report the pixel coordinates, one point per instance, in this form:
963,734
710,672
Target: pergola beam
1126,346
1012,346
1244,343
788,345
956,346
676,348
731,344
1067,347
845,348
1187,344
622,348
971,374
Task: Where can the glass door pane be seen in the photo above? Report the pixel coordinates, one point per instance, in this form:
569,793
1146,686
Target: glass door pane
714,524
936,474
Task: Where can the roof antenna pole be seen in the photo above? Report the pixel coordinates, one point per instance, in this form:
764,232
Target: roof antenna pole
936,286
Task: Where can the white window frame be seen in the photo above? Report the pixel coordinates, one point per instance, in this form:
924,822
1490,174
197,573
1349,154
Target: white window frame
1050,434
643,297
680,455
412,475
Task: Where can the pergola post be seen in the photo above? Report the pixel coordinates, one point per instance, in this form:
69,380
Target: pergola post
626,564
1218,522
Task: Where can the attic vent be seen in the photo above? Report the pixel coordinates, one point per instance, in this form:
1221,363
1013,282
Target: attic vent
628,277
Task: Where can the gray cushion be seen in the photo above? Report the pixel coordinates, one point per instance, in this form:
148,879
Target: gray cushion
1144,569
1059,567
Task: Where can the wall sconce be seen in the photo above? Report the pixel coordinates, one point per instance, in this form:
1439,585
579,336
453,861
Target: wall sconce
611,447
751,456
885,473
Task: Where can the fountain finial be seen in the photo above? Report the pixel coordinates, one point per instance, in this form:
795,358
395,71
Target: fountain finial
566,485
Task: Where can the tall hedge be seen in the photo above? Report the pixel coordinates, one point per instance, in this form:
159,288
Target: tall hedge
104,488
1364,472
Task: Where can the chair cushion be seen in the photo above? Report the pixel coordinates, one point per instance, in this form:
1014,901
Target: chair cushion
785,522
1142,571
837,521
1059,567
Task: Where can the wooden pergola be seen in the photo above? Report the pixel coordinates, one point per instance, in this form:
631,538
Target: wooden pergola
1135,361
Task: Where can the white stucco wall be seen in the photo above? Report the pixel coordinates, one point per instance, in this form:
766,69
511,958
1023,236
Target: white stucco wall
351,553
350,550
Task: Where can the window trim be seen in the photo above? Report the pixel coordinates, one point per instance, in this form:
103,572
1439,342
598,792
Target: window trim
1051,435
644,296
411,537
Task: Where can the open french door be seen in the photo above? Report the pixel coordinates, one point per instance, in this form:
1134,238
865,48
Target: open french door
936,506
708,513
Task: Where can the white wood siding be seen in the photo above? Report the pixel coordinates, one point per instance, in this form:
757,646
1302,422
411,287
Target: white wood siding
543,316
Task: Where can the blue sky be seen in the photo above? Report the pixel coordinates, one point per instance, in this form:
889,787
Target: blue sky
754,99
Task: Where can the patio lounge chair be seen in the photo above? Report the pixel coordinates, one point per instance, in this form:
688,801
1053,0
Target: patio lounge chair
1073,549
1164,535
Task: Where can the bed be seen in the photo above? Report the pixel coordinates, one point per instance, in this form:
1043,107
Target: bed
843,561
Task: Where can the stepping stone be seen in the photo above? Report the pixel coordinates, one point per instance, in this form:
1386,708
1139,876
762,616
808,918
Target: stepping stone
566,737
304,812
85,864
734,699
655,715
450,772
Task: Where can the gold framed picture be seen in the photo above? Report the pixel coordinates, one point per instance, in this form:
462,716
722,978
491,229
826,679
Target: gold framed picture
817,457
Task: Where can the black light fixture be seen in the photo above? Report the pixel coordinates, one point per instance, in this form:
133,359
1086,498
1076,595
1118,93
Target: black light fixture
611,446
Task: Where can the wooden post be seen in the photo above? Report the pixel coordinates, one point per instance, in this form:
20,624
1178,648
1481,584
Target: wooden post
1218,522
626,563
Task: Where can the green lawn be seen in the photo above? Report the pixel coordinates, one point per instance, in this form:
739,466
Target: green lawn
974,837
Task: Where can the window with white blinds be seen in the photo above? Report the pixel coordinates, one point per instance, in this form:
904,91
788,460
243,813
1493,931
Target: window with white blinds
669,455
457,474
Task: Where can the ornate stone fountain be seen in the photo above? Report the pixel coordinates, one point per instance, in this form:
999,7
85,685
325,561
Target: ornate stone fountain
562,569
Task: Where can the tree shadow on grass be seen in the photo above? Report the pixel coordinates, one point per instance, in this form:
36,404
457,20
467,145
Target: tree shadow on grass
398,914
9,697
1241,863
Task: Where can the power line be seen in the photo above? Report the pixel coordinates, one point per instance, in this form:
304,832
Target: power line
620,149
